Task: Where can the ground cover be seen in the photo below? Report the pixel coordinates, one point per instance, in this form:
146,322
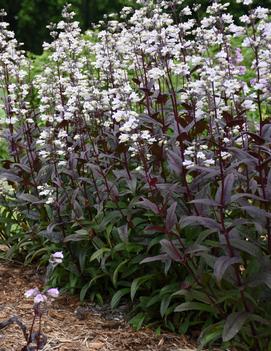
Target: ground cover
65,329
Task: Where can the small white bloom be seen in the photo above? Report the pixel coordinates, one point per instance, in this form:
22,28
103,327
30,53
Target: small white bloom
40,298
53,292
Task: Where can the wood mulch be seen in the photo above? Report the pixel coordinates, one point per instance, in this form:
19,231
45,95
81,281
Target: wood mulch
65,332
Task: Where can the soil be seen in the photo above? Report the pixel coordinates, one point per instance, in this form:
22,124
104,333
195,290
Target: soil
66,327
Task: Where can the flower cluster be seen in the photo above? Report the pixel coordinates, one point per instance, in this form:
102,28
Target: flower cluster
40,297
5,188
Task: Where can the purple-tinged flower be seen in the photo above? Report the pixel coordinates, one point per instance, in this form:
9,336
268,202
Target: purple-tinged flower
32,293
57,257
40,298
53,292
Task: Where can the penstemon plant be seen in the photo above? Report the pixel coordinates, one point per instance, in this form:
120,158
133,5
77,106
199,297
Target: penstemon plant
143,144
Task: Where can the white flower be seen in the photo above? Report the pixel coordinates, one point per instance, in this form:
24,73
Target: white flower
123,138
57,257
261,13
31,293
249,105
188,163
186,11
201,155
50,200
53,292
225,155
245,19
209,162
40,298
156,73
245,2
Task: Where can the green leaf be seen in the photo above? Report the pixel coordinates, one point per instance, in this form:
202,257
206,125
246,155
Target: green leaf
164,305
117,296
137,320
188,306
76,237
99,253
138,282
210,334
86,287
116,272
29,258
233,324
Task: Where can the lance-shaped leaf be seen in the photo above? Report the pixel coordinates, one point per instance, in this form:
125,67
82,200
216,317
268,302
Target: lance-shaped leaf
11,177
138,282
244,246
171,250
194,306
223,194
260,278
206,202
175,161
161,257
196,249
148,205
222,264
258,214
233,324
199,220
171,218
28,198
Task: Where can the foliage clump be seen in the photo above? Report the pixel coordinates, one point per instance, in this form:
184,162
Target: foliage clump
143,151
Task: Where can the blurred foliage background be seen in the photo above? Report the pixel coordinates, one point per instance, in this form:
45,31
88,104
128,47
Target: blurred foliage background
29,18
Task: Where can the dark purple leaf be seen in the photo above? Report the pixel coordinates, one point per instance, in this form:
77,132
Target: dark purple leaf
161,257
260,278
198,220
171,218
244,246
175,161
258,214
148,205
222,264
28,198
236,197
258,140
171,250
45,174
162,98
78,211
55,237
207,202
25,168
223,194
156,228
195,249
11,177
233,324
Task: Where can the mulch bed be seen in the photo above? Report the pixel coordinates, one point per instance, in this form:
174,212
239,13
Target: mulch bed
65,331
